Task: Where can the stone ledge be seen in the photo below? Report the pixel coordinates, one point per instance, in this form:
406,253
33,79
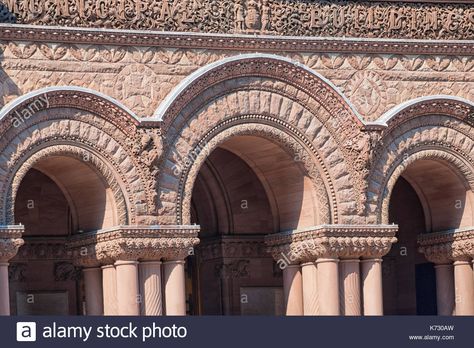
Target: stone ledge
133,243
446,246
333,241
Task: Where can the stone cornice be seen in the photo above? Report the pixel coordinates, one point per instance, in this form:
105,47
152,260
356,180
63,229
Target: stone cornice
447,246
133,243
10,241
344,241
235,42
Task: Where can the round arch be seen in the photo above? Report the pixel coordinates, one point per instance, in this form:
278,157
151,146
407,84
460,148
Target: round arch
231,130
280,92
437,129
82,156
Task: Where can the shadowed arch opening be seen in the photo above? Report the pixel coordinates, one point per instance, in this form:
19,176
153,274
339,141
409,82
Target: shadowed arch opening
59,195
248,187
430,195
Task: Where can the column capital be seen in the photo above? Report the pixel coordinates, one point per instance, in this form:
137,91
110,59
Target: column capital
332,241
446,246
10,241
132,243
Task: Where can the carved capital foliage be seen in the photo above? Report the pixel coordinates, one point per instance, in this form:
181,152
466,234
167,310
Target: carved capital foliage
345,241
10,241
444,247
133,243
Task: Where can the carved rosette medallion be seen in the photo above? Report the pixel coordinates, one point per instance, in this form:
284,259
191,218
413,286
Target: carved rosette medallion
367,92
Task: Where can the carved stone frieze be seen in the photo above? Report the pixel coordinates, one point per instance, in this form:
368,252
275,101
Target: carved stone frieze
344,241
43,249
233,270
133,243
233,247
302,18
10,241
445,247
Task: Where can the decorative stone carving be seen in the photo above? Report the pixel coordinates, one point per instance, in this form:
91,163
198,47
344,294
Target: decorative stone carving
43,249
65,271
415,133
332,241
17,271
10,241
233,270
133,243
190,170
444,247
317,18
235,247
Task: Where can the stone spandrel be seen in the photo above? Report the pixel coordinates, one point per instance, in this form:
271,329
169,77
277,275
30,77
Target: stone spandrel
382,19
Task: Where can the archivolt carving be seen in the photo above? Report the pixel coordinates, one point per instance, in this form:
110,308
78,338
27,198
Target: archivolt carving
440,138
80,153
131,187
270,86
231,128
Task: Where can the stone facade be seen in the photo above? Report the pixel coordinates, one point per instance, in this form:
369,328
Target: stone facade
129,124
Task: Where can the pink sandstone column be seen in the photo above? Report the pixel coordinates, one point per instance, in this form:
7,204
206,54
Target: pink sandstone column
93,290
372,286
464,287
309,273
175,292
109,288
445,288
350,287
328,286
293,290
150,288
4,291
127,287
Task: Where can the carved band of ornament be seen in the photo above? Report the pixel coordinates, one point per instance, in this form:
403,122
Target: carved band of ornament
296,18
332,241
229,42
10,241
443,247
233,247
133,243
71,99
43,249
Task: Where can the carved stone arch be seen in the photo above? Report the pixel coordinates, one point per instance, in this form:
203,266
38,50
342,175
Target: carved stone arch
441,125
72,97
75,150
286,91
82,115
263,65
456,107
284,138
57,127
438,153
